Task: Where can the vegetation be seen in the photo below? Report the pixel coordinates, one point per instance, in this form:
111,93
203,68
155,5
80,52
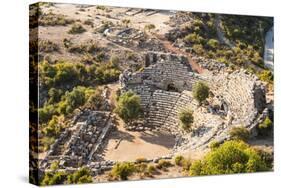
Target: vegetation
179,160
128,106
64,74
163,164
265,127
186,119
266,124
123,170
182,162
53,178
76,29
266,76
149,27
56,177
239,133
230,157
214,145
126,22
52,114
245,34
200,91
47,46
51,19
82,175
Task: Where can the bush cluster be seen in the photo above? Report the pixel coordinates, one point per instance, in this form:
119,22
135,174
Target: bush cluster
56,177
230,157
123,170
67,75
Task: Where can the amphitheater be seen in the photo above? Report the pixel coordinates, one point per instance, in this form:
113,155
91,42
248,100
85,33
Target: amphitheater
164,86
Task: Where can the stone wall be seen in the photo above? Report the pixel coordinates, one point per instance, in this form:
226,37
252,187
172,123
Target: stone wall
77,144
162,71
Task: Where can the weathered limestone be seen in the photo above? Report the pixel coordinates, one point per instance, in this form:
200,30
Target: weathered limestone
163,71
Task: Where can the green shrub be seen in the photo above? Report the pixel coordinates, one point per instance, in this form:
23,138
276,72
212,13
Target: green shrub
149,27
151,169
53,178
48,46
266,124
123,170
82,175
179,160
266,76
76,29
265,127
239,133
163,164
266,156
200,91
100,7
214,145
213,43
198,48
194,38
186,119
128,106
230,157
186,164
54,166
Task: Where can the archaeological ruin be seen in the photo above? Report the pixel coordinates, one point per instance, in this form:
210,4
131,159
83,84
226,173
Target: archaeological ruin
165,88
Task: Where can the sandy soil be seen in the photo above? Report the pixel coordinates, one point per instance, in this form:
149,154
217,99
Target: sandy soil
123,145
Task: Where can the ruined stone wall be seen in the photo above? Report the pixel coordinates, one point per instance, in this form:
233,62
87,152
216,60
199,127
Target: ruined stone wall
74,146
243,94
162,71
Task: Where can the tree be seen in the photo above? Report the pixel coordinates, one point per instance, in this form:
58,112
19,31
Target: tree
186,119
128,106
230,157
76,97
200,91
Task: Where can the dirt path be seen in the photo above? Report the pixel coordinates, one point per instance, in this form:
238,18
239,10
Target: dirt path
169,46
